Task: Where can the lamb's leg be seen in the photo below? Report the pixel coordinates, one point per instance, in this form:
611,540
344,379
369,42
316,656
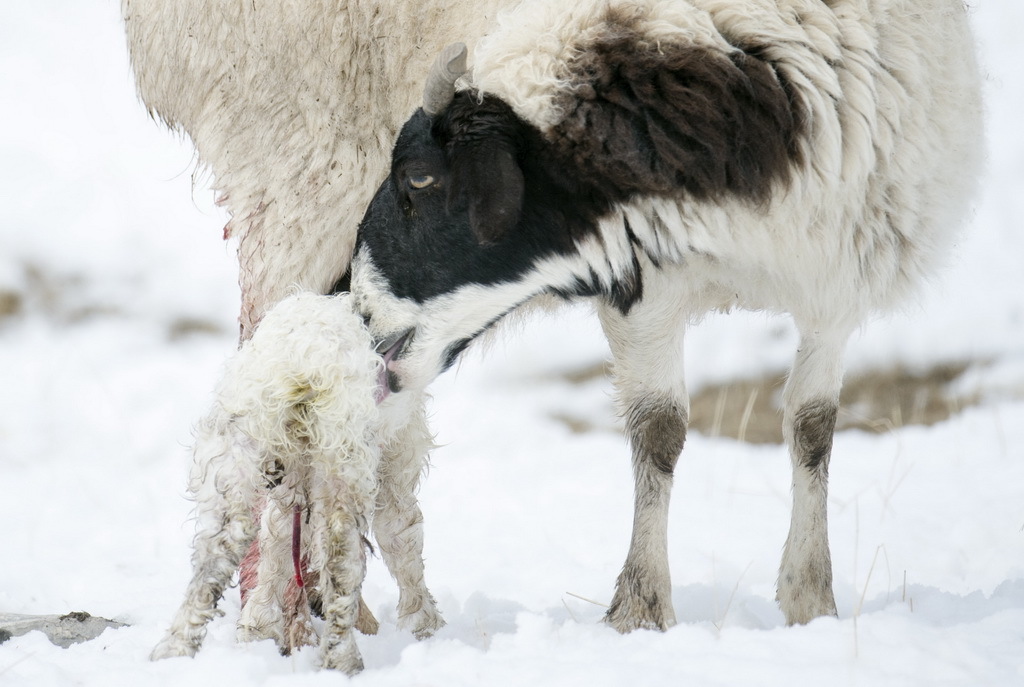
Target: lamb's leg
398,526
247,582
250,564
342,503
811,401
222,481
647,350
262,615
276,608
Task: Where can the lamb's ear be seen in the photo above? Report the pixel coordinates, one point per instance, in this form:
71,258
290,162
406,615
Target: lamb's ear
487,179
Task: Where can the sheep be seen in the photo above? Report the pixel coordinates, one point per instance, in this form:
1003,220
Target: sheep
296,452
665,159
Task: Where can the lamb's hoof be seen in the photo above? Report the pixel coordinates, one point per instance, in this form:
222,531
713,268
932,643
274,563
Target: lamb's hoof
341,654
173,646
296,636
365,622
253,633
423,623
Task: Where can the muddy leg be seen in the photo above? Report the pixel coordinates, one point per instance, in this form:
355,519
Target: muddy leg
811,401
647,348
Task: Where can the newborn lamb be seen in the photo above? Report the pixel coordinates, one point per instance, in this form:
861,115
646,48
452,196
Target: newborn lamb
292,452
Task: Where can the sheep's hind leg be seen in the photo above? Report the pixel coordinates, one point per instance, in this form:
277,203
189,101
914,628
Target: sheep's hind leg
222,482
811,402
398,527
647,350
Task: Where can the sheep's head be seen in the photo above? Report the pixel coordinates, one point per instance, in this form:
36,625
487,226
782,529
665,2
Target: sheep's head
459,233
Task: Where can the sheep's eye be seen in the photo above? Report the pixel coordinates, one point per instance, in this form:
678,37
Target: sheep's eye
420,182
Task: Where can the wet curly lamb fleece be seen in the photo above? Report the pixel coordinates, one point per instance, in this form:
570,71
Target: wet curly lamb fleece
295,452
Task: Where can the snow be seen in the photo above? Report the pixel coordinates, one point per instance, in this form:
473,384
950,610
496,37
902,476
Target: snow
128,303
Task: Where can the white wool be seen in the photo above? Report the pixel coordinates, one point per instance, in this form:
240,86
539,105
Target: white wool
891,160
523,60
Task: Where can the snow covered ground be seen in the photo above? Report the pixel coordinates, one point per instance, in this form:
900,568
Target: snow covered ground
117,309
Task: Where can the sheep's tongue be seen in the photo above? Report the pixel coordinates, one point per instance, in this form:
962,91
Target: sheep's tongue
383,386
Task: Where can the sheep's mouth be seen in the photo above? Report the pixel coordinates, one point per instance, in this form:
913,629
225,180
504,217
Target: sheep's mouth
391,348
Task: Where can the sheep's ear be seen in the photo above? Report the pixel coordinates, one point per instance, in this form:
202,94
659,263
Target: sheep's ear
487,179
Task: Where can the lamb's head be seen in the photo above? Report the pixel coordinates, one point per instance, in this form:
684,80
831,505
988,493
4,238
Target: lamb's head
475,218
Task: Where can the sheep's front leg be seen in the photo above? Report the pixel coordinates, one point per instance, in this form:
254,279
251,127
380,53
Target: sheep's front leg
811,402
398,525
647,350
222,482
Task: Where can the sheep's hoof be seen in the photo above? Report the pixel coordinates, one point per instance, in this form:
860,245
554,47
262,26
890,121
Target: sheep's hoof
637,605
806,594
627,622
173,646
805,613
803,607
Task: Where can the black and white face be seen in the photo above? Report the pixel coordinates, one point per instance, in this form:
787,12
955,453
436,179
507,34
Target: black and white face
454,239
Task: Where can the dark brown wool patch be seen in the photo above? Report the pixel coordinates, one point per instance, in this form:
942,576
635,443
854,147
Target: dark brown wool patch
645,118
813,429
658,432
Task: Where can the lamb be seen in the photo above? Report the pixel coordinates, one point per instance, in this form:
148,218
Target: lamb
296,452
667,159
